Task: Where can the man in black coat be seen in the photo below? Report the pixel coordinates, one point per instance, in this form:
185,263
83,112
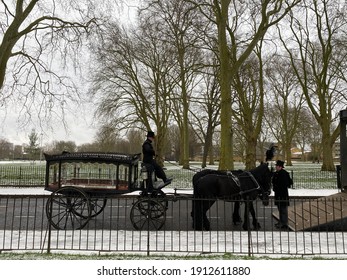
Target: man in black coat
281,181
149,156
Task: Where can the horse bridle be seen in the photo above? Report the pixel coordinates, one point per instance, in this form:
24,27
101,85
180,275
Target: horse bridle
257,184
258,187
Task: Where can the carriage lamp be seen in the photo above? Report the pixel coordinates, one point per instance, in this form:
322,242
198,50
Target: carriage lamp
144,173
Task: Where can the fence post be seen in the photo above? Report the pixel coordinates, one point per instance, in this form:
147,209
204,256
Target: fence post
49,225
148,231
249,234
338,176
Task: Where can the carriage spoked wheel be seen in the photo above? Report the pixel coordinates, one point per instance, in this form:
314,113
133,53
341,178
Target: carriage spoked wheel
148,214
161,197
97,205
68,208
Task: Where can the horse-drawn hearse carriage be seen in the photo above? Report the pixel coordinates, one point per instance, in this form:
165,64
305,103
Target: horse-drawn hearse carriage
81,184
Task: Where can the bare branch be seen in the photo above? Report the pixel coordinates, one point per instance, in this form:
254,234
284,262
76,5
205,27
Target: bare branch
37,38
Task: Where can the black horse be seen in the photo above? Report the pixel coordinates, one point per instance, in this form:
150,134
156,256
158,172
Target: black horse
210,185
236,213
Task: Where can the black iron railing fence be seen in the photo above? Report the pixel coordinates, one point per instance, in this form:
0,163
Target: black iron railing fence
318,227
26,175
34,175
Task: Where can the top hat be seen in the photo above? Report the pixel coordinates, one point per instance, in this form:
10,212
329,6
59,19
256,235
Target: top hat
280,163
150,134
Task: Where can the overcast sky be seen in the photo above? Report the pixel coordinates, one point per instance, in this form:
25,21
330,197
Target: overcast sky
80,130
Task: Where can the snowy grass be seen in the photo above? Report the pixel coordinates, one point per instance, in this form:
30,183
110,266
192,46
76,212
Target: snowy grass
94,256
305,175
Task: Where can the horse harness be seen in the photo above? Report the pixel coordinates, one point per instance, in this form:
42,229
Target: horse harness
254,181
234,178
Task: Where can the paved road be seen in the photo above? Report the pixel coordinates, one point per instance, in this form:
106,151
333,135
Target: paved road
22,208
29,213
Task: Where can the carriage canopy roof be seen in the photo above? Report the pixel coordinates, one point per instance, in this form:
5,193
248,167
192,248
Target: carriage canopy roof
94,157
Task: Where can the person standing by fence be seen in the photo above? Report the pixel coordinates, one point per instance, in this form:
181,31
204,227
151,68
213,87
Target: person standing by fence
281,181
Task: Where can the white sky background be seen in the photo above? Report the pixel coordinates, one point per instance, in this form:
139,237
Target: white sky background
81,126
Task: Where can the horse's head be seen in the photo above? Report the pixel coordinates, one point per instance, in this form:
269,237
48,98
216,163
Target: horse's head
263,175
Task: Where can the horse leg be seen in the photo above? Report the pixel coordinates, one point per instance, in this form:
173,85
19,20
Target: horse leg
255,223
205,221
236,214
249,209
197,214
200,220
207,205
245,225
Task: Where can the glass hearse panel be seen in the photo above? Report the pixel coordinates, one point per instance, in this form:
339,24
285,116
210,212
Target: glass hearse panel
93,172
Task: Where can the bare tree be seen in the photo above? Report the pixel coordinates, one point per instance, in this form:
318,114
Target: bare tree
307,133
205,111
240,26
6,149
133,79
179,27
317,61
57,147
107,138
286,99
248,106
33,148
135,140
172,151
35,40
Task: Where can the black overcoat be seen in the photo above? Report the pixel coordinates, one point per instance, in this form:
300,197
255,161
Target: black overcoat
281,181
148,152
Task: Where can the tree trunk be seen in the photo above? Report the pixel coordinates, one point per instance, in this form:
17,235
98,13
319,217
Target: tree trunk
226,150
289,155
185,138
159,143
9,40
251,143
207,145
180,160
328,161
211,154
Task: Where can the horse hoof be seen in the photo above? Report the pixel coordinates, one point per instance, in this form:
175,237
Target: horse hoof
236,223
207,226
198,228
257,226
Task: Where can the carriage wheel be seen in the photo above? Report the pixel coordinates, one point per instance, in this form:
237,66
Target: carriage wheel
97,205
148,213
160,196
68,208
